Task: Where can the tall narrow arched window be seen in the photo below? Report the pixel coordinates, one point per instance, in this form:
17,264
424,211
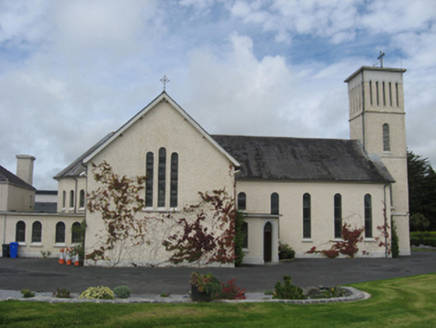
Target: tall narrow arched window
377,93
161,178
244,233
368,216
307,233
64,198
370,93
386,138
82,199
71,198
60,233
174,179
274,203
76,236
149,182
338,215
36,232
20,232
242,201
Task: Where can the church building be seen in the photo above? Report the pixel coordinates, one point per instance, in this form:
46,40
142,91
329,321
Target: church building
294,191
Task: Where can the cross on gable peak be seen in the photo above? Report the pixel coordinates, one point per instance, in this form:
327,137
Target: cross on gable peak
164,81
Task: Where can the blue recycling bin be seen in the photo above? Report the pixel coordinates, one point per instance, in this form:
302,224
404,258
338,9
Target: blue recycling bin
14,249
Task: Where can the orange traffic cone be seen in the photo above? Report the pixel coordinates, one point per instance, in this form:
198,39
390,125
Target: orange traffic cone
61,257
76,260
68,256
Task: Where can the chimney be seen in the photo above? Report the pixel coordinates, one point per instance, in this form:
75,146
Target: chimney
25,168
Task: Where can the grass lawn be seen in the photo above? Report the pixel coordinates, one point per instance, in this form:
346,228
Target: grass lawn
404,302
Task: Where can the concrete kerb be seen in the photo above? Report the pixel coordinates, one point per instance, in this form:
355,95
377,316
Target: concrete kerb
5,295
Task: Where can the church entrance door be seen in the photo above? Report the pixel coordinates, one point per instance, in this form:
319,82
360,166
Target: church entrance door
267,242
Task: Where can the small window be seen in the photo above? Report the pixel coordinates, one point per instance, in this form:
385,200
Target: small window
60,232
72,199
76,236
275,203
307,233
242,201
20,232
82,199
386,138
149,181
244,231
64,199
161,178
338,215
174,179
36,232
368,216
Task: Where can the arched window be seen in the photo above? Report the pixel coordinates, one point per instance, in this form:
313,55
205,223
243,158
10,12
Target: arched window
242,201
82,199
174,179
60,232
368,216
76,236
244,232
306,216
386,138
338,215
274,203
20,232
36,232
149,182
161,178
64,198
71,198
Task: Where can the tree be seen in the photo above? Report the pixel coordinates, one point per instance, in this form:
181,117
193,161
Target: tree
422,193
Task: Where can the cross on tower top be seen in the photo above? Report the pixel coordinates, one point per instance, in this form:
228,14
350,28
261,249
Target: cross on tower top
164,81
380,57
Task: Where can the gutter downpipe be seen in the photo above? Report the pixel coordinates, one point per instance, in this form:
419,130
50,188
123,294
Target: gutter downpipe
4,228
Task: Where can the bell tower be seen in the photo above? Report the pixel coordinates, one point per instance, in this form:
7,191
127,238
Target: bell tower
377,119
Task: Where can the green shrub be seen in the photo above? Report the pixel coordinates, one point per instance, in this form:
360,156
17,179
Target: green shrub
395,244
286,252
287,290
204,287
122,291
429,241
62,293
27,293
98,293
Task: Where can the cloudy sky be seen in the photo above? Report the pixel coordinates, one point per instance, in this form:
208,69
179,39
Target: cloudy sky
73,71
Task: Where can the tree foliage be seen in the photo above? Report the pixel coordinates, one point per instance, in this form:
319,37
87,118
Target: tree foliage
422,193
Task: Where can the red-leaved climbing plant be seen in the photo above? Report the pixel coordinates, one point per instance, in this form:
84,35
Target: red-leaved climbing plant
117,200
208,234
347,246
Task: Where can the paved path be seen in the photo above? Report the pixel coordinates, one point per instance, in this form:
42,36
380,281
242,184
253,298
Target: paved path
45,275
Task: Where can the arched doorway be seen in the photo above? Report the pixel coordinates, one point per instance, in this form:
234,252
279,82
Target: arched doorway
267,242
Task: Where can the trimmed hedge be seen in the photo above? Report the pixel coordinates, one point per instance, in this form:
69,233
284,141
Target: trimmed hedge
427,238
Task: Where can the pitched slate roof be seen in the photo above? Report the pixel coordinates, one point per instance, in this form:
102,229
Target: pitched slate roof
298,159
6,176
76,168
